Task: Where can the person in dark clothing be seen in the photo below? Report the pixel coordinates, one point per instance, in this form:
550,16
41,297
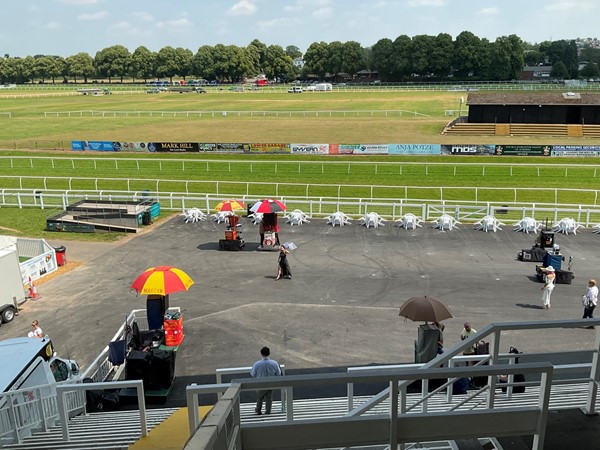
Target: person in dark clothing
283,268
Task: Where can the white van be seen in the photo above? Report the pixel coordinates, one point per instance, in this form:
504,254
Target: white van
324,87
295,90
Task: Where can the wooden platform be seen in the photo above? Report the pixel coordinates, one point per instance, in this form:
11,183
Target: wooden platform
522,129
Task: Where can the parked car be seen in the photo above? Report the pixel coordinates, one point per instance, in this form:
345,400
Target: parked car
200,90
295,90
153,91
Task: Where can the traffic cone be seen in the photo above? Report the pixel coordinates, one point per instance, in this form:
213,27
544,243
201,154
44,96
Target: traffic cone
33,293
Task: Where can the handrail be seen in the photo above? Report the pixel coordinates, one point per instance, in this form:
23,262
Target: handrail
495,329
227,410
62,389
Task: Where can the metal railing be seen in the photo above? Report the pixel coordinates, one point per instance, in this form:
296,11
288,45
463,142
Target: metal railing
223,429
222,425
26,410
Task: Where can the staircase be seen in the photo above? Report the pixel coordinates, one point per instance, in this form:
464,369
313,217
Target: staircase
114,430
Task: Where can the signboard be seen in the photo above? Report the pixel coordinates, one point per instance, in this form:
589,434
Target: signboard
522,150
174,147
468,149
313,149
38,266
414,149
101,146
232,147
269,148
576,150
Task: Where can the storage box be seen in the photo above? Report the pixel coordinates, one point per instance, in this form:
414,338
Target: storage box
173,332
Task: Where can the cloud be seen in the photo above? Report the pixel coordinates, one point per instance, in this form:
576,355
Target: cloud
79,2
125,28
273,23
492,11
419,3
93,16
177,23
242,8
52,26
569,5
322,13
143,16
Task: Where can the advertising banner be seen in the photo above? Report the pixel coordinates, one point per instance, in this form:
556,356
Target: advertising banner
134,146
174,147
232,147
100,146
414,149
269,148
372,149
207,147
312,149
576,150
468,149
522,150
38,266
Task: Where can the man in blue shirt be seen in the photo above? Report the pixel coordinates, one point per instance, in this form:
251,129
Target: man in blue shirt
265,367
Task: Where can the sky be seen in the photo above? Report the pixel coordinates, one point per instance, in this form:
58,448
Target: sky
67,27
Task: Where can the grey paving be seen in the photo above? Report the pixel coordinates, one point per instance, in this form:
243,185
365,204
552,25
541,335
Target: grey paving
340,308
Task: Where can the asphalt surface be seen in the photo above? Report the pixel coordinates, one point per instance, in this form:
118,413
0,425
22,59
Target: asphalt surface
340,309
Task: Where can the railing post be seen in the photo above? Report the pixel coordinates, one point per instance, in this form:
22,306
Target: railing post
545,385
192,402
142,408
393,414
590,404
62,412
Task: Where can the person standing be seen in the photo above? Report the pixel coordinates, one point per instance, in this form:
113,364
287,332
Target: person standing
265,367
441,327
261,231
548,286
590,300
283,266
466,333
37,331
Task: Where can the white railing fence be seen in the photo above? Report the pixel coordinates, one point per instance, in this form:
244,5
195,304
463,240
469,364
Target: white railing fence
391,209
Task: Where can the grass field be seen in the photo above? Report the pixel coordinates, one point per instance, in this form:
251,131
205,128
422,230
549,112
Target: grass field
27,125
27,122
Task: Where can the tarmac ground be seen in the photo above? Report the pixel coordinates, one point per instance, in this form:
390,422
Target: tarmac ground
339,310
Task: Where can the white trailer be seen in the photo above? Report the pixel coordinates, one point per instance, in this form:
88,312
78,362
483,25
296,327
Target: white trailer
12,292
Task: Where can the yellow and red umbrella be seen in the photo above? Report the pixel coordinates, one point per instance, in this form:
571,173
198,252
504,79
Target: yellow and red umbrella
230,205
162,280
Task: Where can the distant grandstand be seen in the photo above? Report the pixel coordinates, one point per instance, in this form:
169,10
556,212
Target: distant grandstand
571,114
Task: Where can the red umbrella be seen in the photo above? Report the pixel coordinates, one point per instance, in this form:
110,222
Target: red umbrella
268,206
162,280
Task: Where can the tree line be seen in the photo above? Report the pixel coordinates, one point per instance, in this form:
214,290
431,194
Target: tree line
467,57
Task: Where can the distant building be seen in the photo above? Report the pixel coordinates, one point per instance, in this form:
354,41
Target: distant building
535,72
298,62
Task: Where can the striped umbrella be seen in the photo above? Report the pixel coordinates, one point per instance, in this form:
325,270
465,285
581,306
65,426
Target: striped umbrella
162,280
230,205
268,206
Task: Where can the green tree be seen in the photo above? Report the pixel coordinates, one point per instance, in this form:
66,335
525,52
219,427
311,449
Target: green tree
80,65
335,60
142,63
470,54
590,55
43,67
402,61
203,62
533,57
591,70
293,52
559,70
353,57
422,48
570,59
166,63
506,58
183,60
315,59
278,64
113,61
441,55
383,58
258,52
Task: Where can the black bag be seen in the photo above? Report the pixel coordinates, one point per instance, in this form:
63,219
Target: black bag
460,386
482,348
519,377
